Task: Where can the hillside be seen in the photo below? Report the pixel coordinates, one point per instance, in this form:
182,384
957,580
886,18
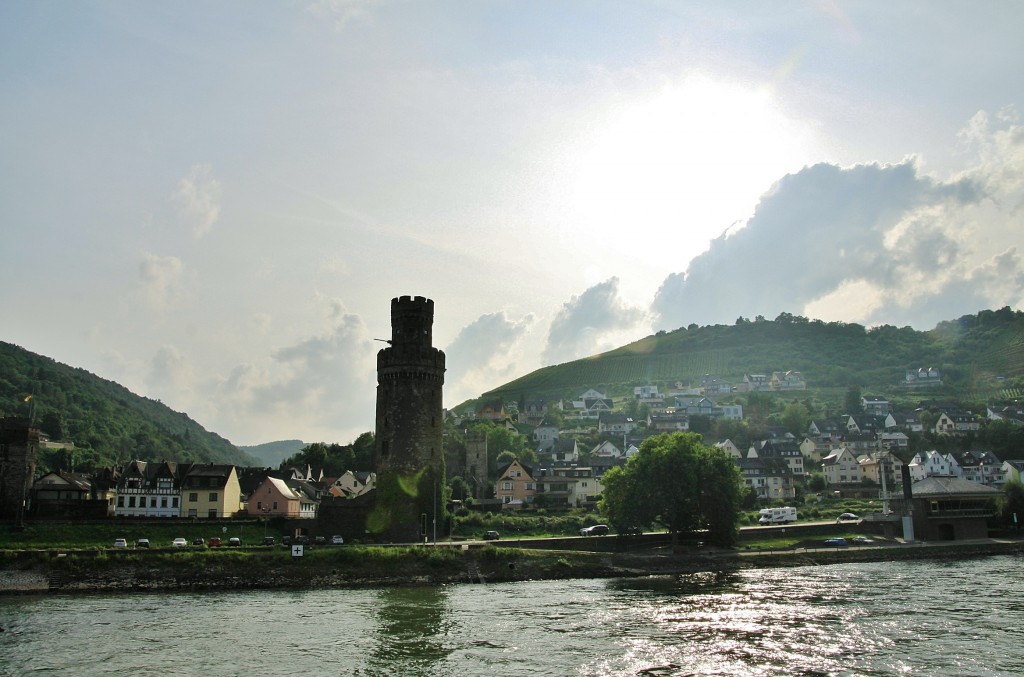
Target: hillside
107,422
979,356
270,454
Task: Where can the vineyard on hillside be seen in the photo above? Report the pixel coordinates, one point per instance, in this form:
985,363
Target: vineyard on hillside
979,355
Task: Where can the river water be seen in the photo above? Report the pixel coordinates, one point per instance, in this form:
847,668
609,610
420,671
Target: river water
956,617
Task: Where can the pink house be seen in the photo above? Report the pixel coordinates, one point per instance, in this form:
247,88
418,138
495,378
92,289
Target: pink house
274,498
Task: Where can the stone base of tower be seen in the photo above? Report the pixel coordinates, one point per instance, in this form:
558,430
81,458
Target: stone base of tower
408,506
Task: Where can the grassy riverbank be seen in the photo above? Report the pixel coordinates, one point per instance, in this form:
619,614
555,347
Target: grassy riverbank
128,571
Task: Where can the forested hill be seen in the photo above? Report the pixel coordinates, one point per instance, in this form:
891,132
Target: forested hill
107,422
979,356
271,454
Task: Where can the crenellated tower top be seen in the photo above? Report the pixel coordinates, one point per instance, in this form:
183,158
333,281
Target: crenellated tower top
412,320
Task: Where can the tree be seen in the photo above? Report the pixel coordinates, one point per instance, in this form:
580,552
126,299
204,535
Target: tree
1013,504
461,491
53,425
505,457
796,418
726,429
701,424
852,402
759,406
500,439
817,482
677,481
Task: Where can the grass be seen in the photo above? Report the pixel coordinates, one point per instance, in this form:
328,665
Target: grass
524,524
95,535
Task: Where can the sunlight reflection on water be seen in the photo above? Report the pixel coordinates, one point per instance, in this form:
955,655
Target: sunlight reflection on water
935,618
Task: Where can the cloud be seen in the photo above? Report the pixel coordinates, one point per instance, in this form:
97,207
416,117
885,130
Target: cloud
321,386
485,353
160,276
590,323
341,12
198,196
170,374
870,243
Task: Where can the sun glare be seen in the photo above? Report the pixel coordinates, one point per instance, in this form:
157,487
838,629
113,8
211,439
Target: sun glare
688,161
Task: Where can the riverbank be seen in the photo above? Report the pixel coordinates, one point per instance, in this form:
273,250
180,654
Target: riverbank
70,572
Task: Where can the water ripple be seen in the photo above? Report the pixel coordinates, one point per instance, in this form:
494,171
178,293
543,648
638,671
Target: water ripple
881,619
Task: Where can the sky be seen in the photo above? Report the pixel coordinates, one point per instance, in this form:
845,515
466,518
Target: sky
213,204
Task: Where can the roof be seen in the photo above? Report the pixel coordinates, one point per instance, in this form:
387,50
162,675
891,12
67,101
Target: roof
282,487
565,444
504,469
950,486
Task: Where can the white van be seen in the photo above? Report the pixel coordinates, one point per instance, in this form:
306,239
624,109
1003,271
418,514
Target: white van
777,515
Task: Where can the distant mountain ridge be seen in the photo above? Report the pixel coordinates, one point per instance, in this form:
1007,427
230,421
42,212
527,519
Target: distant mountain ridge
978,354
107,423
272,453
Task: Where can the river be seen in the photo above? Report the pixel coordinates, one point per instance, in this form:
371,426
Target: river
955,617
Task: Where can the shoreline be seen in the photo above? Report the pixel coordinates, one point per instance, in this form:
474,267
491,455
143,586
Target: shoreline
39,572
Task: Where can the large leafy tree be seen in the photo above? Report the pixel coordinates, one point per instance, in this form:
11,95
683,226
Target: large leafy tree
677,481
796,418
335,458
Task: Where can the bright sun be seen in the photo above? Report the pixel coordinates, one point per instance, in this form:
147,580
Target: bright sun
686,163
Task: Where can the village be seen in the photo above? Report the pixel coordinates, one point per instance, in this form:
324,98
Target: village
862,455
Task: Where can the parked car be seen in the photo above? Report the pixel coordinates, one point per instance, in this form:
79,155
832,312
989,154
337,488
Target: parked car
120,543
268,540
595,530
838,542
320,540
632,531
198,541
847,517
337,540
861,540
179,543
234,541
491,536
214,542
142,543
286,540
301,540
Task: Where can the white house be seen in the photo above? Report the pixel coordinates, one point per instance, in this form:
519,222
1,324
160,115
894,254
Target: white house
933,464
606,450
646,392
352,484
615,424
729,447
1013,470
841,467
545,435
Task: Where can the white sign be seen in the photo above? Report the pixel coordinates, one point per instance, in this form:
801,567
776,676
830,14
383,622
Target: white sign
296,551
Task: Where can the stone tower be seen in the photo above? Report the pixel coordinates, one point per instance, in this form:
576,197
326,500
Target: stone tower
19,448
476,462
408,453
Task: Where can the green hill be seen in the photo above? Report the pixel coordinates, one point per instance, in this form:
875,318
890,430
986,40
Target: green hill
271,454
980,357
106,422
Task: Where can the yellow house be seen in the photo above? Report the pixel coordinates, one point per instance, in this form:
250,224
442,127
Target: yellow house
211,491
